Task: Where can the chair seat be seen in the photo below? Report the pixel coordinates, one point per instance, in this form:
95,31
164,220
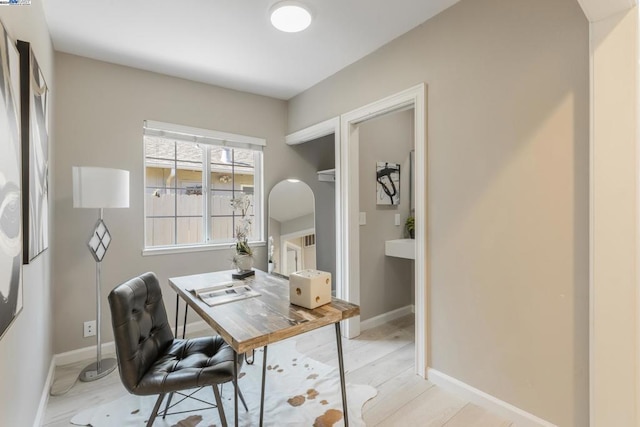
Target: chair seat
190,363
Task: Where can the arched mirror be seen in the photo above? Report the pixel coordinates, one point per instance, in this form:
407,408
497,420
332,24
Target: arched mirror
292,227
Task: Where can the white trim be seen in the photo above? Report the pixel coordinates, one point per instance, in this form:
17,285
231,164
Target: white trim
87,353
637,217
386,317
413,97
166,250
299,233
317,131
44,398
158,128
314,132
499,407
592,150
285,245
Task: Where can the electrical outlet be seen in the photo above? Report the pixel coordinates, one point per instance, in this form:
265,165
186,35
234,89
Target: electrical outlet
89,328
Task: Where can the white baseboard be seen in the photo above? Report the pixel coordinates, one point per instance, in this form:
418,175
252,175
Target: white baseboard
386,317
44,398
499,407
109,347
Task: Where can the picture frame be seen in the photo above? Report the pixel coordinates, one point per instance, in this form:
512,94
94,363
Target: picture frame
11,286
387,183
34,97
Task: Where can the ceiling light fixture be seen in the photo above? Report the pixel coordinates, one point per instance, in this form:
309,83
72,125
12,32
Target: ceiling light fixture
290,16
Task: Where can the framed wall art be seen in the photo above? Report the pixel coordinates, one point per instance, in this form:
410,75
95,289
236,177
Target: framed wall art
34,101
387,183
10,184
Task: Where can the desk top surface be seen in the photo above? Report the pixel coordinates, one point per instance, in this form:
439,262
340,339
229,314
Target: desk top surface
255,322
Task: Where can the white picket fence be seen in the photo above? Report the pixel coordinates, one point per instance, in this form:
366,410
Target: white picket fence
162,231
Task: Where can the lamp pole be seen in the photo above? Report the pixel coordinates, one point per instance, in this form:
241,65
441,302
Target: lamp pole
100,368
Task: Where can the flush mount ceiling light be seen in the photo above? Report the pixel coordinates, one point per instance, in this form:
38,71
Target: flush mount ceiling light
290,16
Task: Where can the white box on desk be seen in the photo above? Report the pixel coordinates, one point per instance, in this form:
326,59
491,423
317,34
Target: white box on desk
310,288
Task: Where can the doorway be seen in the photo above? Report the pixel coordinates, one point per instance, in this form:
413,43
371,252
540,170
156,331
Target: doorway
347,278
415,98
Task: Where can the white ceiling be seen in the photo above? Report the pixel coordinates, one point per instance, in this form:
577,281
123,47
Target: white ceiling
231,43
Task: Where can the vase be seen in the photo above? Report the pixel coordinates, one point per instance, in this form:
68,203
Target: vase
270,267
243,262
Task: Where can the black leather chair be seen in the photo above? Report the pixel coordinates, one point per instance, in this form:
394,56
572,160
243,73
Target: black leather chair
150,360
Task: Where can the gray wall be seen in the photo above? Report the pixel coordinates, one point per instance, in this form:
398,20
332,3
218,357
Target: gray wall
298,224
26,347
508,135
100,109
319,154
385,282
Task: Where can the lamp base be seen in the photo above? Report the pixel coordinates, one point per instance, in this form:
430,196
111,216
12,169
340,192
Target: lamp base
92,373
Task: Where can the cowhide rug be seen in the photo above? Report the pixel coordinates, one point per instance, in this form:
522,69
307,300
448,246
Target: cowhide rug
299,392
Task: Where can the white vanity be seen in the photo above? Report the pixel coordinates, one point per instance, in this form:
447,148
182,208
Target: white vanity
400,248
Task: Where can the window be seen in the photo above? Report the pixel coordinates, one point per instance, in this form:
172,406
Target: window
191,176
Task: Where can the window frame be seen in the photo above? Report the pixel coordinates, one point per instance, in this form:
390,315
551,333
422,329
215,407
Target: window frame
209,138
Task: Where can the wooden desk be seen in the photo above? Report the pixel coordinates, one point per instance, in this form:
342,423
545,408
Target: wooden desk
266,319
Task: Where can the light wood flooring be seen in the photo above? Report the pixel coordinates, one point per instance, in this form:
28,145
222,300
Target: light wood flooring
381,357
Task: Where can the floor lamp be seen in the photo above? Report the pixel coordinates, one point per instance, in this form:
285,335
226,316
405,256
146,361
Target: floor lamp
99,188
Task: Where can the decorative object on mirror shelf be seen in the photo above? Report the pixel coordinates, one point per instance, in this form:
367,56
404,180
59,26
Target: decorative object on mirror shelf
243,258
270,264
99,188
409,225
388,183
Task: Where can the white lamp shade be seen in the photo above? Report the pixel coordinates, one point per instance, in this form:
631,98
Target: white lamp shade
100,187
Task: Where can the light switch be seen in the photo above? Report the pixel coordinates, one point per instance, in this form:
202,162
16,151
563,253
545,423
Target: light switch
363,218
397,219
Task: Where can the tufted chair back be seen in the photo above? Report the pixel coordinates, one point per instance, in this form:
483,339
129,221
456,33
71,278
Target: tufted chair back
140,327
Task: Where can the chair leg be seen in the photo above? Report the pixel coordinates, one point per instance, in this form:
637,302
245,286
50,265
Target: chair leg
242,399
154,413
166,407
216,393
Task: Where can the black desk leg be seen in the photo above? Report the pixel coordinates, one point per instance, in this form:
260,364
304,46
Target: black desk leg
186,309
235,389
264,374
177,311
343,385
184,325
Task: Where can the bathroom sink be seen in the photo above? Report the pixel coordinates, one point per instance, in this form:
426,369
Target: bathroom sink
400,248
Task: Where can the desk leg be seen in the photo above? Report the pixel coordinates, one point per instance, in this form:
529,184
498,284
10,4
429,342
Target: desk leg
343,385
264,374
235,389
177,313
184,325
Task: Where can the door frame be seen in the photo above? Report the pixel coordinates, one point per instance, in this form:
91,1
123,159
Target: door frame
345,127
285,246
414,97
318,130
